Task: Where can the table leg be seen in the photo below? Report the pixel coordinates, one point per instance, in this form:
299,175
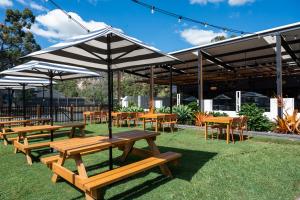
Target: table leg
82,133
61,161
91,119
126,151
205,130
84,119
27,152
227,133
144,123
156,126
164,168
17,140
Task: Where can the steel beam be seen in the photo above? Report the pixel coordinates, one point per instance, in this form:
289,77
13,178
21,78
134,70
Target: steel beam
279,73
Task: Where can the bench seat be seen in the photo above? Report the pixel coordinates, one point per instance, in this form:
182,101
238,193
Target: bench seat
121,173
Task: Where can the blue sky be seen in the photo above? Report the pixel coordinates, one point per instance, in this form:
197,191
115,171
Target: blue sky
161,31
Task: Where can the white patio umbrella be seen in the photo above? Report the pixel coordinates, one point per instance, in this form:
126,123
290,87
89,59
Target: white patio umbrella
14,82
34,69
106,50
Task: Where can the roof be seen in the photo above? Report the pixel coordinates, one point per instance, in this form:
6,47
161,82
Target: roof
91,51
43,69
243,57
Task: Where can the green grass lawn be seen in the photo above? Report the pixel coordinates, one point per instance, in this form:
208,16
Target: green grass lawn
259,168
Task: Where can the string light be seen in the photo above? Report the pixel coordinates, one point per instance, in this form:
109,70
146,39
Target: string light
152,10
181,18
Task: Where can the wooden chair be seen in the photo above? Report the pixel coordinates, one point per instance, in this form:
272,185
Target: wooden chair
139,118
240,126
169,120
131,117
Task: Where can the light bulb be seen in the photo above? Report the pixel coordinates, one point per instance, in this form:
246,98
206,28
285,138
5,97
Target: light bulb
179,19
152,10
205,25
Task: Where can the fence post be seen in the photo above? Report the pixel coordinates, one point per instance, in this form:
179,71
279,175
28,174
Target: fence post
38,111
71,112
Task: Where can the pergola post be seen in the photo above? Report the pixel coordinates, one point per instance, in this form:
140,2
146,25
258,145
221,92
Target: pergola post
279,76
110,96
200,81
151,99
171,89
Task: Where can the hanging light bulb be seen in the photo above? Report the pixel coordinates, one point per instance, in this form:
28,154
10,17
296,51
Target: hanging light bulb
69,17
205,25
225,30
152,10
179,19
295,38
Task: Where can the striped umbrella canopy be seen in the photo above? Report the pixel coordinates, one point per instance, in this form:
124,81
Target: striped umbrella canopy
44,70
37,70
98,49
106,50
11,83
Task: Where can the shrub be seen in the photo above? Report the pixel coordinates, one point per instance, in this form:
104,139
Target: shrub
193,106
184,113
218,114
257,121
131,109
163,110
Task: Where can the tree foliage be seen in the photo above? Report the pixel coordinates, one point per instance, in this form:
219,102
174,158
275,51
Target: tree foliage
15,38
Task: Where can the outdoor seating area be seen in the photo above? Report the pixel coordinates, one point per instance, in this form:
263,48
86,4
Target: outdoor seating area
93,113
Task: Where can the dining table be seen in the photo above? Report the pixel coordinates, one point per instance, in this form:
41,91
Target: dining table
227,121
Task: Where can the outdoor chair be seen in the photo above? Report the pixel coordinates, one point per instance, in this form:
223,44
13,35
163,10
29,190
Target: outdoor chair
139,118
169,120
240,127
219,128
131,117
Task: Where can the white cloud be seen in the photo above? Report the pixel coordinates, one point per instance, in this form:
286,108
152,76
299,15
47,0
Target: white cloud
22,2
6,3
239,2
56,25
36,6
204,2
196,36
230,2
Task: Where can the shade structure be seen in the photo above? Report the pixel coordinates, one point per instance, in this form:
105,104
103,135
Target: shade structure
34,69
14,83
106,50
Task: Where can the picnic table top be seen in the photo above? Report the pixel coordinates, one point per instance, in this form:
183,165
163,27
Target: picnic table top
221,119
45,127
23,121
154,115
77,145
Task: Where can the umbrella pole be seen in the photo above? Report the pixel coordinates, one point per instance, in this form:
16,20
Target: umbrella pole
110,90
9,101
171,89
51,102
24,101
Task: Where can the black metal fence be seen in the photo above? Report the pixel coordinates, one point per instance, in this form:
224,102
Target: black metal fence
60,113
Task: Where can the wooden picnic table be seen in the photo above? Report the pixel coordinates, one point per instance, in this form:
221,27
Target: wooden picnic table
156,117
22,141
6,125
77,147
228,121
92,115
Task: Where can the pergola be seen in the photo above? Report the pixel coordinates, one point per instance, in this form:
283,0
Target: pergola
272,54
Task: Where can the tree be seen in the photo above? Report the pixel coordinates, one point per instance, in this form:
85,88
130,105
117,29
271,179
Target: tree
15,38
218,38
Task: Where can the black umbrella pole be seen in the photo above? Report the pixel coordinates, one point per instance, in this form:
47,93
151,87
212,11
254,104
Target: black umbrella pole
24,101
51,104
110,90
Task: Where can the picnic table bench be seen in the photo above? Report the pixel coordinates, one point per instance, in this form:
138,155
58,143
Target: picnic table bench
22,141
5,127
77,147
